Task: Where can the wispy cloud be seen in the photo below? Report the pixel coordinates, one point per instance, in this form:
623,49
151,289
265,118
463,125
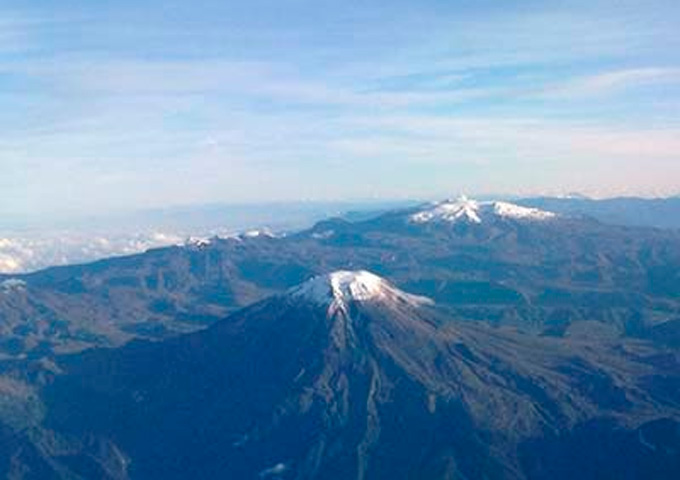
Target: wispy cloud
613,82
257,94
529,141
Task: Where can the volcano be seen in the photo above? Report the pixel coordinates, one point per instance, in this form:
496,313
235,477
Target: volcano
348,377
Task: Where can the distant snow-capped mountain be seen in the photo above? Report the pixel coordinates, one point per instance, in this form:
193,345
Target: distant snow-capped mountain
467,210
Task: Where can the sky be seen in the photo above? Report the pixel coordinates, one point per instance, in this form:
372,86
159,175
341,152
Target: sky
108,106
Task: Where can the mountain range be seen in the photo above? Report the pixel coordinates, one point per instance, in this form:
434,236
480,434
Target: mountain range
555,276
459,339
25,248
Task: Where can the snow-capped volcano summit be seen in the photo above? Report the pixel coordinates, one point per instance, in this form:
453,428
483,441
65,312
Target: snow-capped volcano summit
344,286
472,211
450,211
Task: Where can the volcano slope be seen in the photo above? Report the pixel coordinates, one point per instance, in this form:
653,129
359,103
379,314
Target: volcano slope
347,377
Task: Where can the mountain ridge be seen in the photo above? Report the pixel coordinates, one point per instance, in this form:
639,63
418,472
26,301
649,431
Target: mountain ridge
541,276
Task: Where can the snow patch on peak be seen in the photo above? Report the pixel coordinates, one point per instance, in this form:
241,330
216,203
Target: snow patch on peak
450,211
199,242
326,234
339,287
360,285
510,210
343,284
12,284
472,211
266,233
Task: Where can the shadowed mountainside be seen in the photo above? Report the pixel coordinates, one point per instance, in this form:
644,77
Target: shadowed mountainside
349,377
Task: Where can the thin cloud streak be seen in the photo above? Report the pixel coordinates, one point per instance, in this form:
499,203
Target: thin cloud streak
614,82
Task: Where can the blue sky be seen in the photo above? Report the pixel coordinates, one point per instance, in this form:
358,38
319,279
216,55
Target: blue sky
134,104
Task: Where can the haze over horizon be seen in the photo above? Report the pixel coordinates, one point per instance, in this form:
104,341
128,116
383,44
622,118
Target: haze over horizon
137,105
